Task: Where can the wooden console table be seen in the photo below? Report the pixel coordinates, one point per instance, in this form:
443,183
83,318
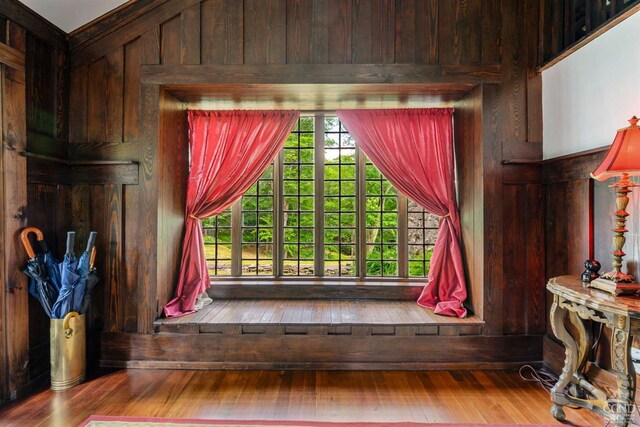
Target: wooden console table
622,316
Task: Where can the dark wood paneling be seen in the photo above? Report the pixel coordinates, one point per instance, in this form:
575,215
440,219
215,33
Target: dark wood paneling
491,28
468,137
494,295
298,34
190,35
173,159
265,31
97,97
78,104
317,350
222,32
42,59
487,48
14,327
460,31
104,174
147,237
340,21
170,46
373,34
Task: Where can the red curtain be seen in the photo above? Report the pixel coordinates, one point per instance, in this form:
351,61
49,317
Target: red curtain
229,152
413,148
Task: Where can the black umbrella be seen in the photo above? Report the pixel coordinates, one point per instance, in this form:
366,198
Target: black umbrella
41,271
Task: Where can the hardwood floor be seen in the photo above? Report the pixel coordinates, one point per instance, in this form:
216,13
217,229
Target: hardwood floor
486,397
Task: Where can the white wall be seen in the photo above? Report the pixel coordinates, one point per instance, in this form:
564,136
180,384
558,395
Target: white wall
592,93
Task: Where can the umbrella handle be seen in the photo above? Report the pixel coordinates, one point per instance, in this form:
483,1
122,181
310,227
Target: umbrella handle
24,236
68,331
92,258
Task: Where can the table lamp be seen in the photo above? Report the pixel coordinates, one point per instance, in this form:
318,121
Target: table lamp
622,160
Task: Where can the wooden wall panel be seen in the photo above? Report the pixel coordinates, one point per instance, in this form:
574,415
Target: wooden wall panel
97,96
298,34
173,170
114,87
459,27
340,24
42,59
468,138
190,21
222,32
37,121
504,120
13,203
170,47
78,105
265,32
373,21
417,32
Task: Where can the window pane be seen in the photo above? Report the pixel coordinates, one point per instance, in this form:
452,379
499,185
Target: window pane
298,201
423,230
382,224
340,190
257,227
217,243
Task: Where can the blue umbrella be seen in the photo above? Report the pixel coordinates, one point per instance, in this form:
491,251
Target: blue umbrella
92,281
44,282
68,280
83,270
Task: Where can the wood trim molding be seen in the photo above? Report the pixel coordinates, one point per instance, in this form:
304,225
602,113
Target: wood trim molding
33,22
572,167
465,76
11,57
591,37
122,27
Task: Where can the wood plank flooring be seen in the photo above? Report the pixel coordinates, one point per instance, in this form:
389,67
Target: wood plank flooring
485,397
334,316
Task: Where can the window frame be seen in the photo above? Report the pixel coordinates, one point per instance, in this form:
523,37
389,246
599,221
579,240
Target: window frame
278,230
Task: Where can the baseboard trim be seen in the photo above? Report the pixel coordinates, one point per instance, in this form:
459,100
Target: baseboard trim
267,366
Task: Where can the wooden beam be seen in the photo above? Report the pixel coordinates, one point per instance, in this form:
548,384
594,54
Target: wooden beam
11,57
467,75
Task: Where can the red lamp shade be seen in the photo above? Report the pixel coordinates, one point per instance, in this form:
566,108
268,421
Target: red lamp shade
623,155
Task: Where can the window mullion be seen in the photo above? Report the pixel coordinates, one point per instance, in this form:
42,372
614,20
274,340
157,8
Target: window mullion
236,238
361,214
403,235
318,144
278,220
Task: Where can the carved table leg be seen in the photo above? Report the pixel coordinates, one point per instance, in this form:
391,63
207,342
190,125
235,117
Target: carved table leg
584,341
624,371
559,399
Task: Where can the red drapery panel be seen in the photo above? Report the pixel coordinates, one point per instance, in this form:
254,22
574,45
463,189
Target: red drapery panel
413,148
229,152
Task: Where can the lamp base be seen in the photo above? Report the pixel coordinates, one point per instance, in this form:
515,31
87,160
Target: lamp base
614,288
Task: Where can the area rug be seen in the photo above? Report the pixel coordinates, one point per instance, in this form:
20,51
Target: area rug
105,421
